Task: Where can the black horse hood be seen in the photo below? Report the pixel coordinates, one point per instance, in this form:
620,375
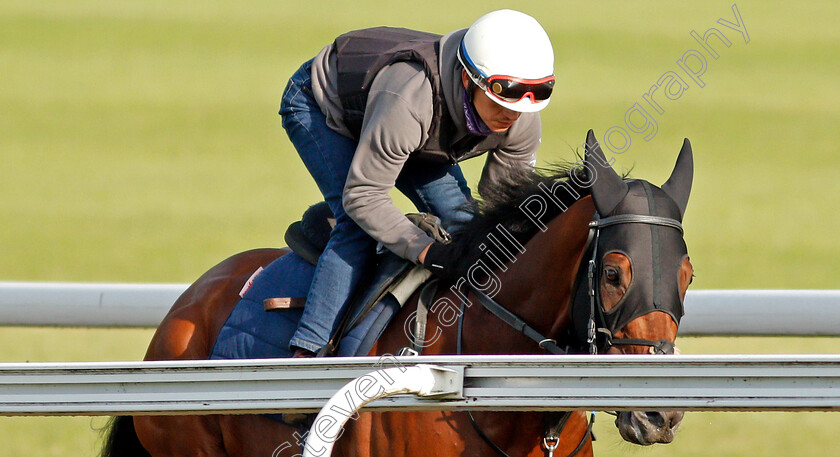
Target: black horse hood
656,251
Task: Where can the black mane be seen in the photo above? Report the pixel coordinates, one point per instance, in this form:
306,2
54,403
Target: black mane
501,205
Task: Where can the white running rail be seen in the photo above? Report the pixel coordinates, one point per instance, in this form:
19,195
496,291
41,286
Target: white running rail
708,312
532,383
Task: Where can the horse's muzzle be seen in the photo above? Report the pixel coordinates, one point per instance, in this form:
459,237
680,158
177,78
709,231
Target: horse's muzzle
648,427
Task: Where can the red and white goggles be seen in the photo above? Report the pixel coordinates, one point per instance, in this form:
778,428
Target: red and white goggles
512,90
518,94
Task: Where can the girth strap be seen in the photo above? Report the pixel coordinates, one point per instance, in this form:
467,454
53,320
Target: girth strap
421,318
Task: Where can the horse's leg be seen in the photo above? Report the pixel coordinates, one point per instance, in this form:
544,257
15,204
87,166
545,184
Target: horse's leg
257,436
196,436
357,439
420,434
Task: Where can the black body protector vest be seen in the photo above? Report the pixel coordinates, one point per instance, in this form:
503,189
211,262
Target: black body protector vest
361,54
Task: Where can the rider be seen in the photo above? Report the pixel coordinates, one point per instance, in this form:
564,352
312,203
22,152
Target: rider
384,107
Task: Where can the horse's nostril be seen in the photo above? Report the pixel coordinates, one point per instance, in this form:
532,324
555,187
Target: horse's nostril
656,419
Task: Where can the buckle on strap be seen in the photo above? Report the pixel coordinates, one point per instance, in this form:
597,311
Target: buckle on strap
545,341
663,347
550,443
407,351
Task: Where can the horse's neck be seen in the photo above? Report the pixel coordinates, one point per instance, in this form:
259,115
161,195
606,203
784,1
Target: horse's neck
537,288
538,285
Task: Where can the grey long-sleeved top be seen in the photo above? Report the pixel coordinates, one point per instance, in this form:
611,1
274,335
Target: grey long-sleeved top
396,123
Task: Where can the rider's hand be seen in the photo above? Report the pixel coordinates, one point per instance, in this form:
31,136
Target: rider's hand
441,261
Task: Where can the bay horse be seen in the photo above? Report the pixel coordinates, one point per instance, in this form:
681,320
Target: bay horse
601,267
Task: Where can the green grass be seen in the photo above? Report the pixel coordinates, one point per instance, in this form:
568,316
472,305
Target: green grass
62,436
139,142
741,434
701,434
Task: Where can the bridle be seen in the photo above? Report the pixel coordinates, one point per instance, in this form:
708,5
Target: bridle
596,324
623,203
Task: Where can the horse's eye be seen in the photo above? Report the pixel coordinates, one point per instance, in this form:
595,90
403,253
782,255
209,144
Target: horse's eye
611,274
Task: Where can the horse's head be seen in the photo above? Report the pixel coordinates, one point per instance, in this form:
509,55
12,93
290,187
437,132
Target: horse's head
635,274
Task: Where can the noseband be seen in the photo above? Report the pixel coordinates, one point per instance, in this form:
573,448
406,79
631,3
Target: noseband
596,310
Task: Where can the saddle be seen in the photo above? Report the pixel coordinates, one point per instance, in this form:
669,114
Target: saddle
309,236
392,275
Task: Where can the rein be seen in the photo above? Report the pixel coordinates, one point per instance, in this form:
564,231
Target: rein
517,323
553,431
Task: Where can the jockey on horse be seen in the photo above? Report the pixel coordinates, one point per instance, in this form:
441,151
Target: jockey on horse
604,268
386,107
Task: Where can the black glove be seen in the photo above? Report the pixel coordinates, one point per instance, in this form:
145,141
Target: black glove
443,262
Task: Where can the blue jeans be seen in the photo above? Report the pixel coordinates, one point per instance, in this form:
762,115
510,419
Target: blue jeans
437,189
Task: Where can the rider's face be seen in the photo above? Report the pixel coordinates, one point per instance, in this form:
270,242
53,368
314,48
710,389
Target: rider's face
498,118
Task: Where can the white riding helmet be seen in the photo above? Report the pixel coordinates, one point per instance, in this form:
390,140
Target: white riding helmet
508,55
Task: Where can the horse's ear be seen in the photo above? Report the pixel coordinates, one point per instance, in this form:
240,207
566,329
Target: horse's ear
608,189
678,186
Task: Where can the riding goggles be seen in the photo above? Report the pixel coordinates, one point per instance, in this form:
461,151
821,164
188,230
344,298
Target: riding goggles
507,89
512,90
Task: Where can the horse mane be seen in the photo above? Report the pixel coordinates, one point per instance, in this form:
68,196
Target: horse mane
501,206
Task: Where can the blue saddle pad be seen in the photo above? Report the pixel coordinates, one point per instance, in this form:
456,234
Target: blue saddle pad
252,333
